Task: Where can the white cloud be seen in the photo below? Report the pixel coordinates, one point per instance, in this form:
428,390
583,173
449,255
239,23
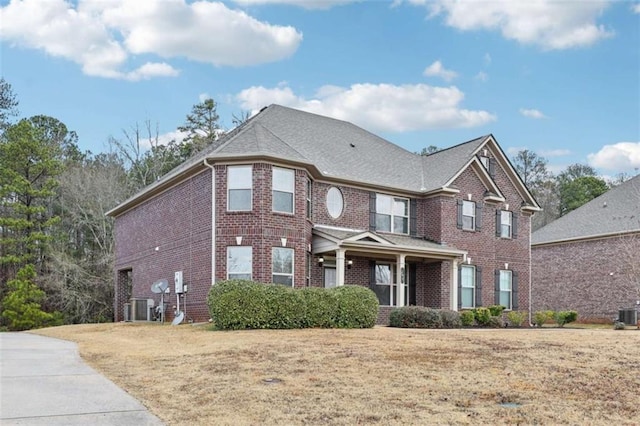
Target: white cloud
482,76
555,153
621,156
378,107
307,4
163,139
487,59
532,113
551,24
636,8
102,36
437,70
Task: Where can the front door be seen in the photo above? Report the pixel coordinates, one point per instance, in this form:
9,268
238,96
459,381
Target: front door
329,277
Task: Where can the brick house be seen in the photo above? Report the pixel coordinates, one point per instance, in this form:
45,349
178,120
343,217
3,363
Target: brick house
300,199
587,260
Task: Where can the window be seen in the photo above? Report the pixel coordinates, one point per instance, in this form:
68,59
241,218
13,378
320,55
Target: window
308,270
309,199
335,202
505,223
392,214
468,215
330,277
468,286
505,288
283,183
282,266
385,284
239,262
239,184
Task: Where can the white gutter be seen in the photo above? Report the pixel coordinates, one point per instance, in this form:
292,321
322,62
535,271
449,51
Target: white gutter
213,221
530,276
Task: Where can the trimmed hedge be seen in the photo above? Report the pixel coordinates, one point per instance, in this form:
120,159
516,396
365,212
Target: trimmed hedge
240,304
415,317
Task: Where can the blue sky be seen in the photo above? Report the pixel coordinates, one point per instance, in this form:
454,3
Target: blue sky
561,78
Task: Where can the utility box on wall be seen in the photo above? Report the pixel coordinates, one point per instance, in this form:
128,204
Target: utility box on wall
179,282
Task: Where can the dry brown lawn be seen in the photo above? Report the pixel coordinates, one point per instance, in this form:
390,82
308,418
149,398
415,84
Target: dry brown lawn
189,375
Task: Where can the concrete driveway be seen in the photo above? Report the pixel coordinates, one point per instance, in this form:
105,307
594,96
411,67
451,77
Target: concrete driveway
43,381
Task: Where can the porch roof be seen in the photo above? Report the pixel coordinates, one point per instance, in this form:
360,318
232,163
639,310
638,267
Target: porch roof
326,239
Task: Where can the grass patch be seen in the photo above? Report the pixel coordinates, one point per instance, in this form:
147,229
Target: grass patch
190,375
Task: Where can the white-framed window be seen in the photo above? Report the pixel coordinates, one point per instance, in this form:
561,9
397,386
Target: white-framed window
335,202
308,261
392,214
506,223
239,262
386,285
468,286
283,184
282,266
309,199
239,188
506,288
468,215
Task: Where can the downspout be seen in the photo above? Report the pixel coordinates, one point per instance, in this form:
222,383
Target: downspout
213,221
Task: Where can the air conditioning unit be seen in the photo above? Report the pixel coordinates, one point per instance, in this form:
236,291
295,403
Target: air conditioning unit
141,309
628,316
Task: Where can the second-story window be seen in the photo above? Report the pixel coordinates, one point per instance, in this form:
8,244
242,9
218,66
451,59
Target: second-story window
309,199
468,215
283,190
392,214
239,188
505,223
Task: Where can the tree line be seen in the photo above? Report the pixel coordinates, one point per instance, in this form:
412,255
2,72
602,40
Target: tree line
56,243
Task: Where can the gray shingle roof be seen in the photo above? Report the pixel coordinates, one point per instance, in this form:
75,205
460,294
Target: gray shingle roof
343,150
616,211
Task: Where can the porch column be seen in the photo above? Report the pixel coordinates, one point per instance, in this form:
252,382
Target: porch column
454,285
400,284
340,267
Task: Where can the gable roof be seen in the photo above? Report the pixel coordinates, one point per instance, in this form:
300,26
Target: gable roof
617,211
330,149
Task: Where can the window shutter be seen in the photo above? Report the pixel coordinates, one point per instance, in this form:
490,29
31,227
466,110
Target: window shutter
412,284
478,285
514,225
514,290
372,212
496,295
372,274
459,224
478,216
492,167
413,217
459,287
498,223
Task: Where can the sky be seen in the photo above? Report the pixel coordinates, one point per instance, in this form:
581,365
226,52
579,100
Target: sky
559,78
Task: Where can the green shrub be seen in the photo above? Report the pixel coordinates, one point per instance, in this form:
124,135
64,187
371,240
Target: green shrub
450,319
286,307
238,305
21,306
467,318
321,306
482,316
565,317
357,307
415,317
516,318
496,310
495,322
541,317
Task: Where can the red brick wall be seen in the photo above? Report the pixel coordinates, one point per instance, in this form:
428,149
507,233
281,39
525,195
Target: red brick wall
591,277
178,223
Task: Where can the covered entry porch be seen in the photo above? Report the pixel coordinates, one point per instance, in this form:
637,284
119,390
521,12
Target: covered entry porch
401,270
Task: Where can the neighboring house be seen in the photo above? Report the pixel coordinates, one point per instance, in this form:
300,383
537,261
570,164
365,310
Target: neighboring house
589,259
303,200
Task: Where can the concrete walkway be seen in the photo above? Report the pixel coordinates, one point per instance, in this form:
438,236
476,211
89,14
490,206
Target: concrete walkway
43,381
